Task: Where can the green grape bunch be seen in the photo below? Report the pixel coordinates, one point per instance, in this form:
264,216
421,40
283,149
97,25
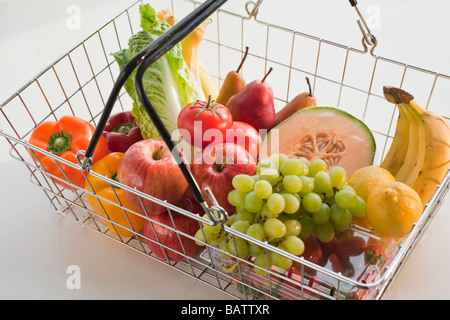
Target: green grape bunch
284,203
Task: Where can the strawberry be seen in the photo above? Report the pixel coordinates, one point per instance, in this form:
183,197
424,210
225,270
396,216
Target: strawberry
328,248
375,255
313,253
336,264
349,248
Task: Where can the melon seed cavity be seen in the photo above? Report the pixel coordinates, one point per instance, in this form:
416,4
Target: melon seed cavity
327,147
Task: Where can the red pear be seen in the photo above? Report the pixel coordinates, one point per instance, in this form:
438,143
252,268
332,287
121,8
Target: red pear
254,104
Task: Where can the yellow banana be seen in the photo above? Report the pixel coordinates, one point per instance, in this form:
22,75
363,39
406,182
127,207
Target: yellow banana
208,85
415,142
397,151
410,175
436,154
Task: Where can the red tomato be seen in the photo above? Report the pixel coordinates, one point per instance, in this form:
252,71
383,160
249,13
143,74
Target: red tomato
245,135
204,122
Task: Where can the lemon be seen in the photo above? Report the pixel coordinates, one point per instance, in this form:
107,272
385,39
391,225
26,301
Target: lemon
364,180
392,208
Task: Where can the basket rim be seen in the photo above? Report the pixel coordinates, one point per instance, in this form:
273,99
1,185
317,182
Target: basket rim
402,253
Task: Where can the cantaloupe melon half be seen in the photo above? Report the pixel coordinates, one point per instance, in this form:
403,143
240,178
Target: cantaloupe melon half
328,133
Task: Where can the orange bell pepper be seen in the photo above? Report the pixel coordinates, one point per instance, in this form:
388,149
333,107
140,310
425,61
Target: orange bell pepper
65,138
110,201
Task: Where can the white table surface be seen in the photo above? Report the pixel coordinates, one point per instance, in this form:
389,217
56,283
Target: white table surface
37,245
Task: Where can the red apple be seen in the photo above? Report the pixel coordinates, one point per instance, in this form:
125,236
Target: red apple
245,135
216,167
150,167
170,244
189,203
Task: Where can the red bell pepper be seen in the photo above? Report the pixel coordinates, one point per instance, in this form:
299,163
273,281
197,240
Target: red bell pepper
121,131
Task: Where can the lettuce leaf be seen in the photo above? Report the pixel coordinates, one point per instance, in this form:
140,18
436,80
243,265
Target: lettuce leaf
168,83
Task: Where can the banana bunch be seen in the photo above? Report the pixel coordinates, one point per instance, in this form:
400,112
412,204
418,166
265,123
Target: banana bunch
420,151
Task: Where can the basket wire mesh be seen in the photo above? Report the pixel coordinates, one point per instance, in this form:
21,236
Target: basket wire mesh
80,82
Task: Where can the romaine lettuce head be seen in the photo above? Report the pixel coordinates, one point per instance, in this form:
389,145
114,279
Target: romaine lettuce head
168,83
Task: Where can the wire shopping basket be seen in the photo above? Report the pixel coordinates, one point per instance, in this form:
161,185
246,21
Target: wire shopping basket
89,85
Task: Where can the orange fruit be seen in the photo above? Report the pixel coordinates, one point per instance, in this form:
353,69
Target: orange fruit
392,209
364,180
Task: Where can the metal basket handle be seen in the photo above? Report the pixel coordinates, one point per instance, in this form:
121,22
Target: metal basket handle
145,58
368,39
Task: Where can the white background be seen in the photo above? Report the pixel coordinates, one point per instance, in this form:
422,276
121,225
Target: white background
37,246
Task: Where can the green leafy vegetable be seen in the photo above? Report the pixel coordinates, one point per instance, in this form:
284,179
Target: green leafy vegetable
168,82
